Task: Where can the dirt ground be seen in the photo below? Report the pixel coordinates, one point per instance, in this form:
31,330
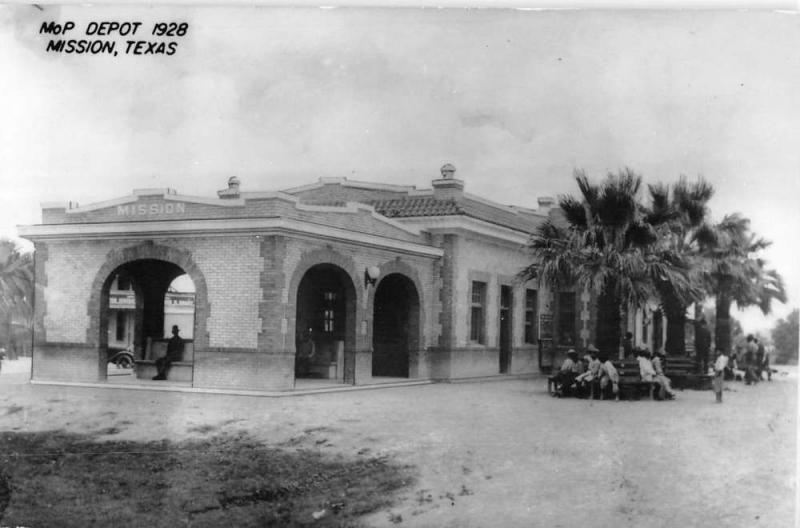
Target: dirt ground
490,454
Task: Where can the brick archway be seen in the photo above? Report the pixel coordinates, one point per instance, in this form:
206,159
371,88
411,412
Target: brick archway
345,266
392,274
402,268
148,250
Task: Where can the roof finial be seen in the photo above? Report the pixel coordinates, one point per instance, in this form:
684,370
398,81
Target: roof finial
448,171
233,189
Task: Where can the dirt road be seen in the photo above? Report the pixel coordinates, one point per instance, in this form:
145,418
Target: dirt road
491,454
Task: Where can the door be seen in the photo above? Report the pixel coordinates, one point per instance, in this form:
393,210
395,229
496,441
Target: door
505,328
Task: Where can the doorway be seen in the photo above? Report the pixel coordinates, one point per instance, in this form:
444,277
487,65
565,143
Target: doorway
505,328
395,326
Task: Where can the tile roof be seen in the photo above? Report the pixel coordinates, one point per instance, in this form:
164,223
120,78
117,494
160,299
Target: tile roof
417,206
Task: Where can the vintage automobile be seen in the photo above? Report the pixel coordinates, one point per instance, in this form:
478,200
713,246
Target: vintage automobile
122,358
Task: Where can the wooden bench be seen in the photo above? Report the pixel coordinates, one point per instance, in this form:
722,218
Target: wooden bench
328,361
631,384
684,372
178,370
553,384
633,387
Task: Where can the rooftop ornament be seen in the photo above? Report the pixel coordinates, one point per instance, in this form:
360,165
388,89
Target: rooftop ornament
448,171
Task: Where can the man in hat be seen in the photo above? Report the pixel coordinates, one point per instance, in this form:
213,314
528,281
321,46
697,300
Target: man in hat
570,369
627,345
174,353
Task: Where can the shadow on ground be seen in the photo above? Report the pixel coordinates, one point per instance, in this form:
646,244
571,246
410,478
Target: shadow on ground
54,478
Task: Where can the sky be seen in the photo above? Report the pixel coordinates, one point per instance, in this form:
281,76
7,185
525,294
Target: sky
516,100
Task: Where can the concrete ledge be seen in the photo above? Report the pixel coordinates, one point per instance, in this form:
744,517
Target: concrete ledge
495,377
178,370
165,387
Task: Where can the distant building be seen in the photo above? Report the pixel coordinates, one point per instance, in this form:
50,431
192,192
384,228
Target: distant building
178,310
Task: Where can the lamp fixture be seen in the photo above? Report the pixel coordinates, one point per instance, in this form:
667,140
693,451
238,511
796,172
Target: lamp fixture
371,275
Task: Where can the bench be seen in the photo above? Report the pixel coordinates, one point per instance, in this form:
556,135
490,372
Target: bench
323,370
684,372
178,370
328,361
631,385
553,384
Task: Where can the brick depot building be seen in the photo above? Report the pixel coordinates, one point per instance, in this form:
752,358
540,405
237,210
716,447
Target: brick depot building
388,282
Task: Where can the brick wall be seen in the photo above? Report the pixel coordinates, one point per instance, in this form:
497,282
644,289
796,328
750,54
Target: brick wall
302,254
248,311
67,362
497,265
70,271
232,269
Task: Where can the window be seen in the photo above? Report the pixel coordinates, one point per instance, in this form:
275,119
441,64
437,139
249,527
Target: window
477,318
123,283
530,316
328,312
566,318
121,334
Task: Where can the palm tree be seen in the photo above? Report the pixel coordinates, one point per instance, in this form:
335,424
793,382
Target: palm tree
16,289
678,213
735,273
605,245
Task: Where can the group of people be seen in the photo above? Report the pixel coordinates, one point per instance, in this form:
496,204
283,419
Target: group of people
576,375
748,365
751,363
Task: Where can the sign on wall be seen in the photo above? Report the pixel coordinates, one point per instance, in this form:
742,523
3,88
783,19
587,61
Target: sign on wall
545,326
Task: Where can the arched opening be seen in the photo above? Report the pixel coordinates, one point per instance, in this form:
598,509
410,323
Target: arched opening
395,326
141,301
325,322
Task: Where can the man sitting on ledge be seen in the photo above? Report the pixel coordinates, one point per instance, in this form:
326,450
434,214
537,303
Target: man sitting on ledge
174,353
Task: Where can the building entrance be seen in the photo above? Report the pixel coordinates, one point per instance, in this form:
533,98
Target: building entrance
325,323
395,326
141,301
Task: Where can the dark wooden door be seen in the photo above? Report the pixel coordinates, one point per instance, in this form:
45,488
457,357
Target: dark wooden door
505,328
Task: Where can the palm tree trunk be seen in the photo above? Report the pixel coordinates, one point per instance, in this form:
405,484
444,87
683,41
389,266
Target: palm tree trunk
722,330
623,328
608,322
676,327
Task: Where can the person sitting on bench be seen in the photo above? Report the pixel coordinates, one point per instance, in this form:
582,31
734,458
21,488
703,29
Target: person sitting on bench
665,391
608,376
646,370
306,351
570,369
592,371
174,353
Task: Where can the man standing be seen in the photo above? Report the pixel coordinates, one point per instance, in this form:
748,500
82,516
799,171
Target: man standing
765,365
750,350
627,344
174,353
718,383
759,358
702,343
